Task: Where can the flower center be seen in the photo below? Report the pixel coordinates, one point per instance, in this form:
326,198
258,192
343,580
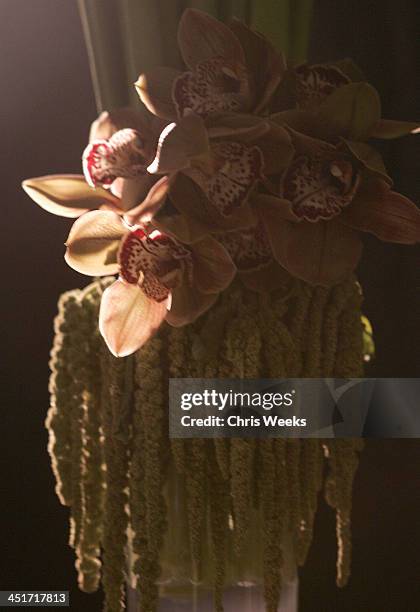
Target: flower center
123,155
314,83
214,86
319,188
230,177
249,249
154,261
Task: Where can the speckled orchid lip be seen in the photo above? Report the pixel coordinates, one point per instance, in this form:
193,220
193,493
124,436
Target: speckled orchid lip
214,86
151,260
236,169
315,82
122,155
320,182
250,249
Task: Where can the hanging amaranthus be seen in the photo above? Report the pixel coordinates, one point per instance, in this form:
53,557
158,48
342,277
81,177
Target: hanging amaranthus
111,452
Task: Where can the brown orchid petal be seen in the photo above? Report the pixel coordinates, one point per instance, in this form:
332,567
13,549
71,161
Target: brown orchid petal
93,243
386,214
239,127
144,212
178,144
216,85
320,253
387,128
270,277
155,91
132,192
188,303
369,157
306,122
66,195
214,270
305,144
284,98
110,122
264,202
189,199
185,228
352,110
202,38
277,149
265,66
128,318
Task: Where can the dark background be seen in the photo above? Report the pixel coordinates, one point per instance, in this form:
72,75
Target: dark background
46,105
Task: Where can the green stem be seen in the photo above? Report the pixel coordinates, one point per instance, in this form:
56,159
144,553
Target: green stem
273,20
300,30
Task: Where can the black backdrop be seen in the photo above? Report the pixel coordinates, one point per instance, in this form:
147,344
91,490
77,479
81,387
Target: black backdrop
46,105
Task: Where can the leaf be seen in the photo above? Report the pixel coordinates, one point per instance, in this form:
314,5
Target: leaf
352,110
93,243
388,215
66,195
369,157
201,38
128,318
321,253
155,91
214,269
178,144
388,128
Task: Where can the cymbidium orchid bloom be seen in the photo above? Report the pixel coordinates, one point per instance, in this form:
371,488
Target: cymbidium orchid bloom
159,278
219,164
334,101
121,146
230,69
321,180
116,140
327,196
264,171
316,82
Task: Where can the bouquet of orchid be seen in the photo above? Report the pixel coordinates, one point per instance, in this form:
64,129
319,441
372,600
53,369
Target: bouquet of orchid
242,166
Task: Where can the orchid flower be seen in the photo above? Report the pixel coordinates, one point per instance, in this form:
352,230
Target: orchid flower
332,101
159,278
230,69
244,166
218,164
327,196
110,181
